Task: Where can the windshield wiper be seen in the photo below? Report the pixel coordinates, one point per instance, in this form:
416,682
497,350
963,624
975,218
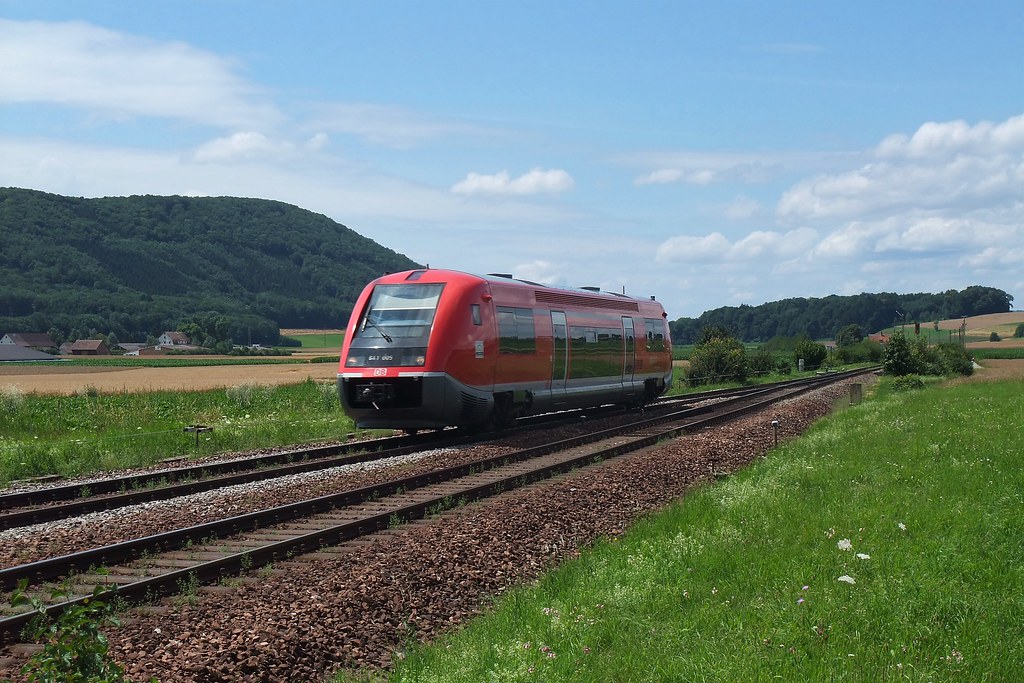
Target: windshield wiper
378,328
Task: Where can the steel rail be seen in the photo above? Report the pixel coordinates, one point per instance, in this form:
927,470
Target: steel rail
676,423
112,493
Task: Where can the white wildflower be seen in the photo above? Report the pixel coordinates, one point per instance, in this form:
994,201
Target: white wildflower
902,526
863,556
844,544
846,579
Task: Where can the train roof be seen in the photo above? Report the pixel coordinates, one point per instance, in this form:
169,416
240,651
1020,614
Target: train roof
507,279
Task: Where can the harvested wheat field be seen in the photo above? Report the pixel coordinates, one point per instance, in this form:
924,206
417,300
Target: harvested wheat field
984,323
1003,324
998,370
66,379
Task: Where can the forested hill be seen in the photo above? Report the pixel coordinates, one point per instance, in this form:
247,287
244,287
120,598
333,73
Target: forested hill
823,318
136,266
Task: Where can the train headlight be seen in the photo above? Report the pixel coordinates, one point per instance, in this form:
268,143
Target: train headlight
420,360
354,361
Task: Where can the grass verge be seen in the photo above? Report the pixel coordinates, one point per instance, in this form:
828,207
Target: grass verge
89,432
884,545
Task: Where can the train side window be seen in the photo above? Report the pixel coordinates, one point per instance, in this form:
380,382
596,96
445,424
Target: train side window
525,332
474,310
516,333
655,335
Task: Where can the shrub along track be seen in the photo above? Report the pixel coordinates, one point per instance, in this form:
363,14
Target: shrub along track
346,608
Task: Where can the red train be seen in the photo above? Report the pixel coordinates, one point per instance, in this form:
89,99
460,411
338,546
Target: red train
428,349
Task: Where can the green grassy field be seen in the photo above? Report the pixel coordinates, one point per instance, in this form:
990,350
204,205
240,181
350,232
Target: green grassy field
320,341
71,435
1008,353
886,544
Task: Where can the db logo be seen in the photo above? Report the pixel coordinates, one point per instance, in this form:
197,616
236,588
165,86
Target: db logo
380,372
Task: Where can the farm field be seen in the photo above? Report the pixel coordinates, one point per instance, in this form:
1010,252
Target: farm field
71,379
326,341
978,330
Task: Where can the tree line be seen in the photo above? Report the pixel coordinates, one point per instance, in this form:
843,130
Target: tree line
823,318
138,266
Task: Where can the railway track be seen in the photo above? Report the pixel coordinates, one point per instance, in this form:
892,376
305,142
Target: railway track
48,504
144,568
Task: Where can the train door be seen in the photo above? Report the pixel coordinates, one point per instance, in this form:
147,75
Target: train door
560,356
628,351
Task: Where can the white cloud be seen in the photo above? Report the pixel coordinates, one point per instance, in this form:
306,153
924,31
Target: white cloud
317,142
745,172
660,177
943,140
243,146
743,208
948,168
758,246
995,257
929,234
538,270
691,249
942,208
536,181
76,64
850,241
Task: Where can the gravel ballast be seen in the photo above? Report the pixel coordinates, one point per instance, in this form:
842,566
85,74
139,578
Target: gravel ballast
356,609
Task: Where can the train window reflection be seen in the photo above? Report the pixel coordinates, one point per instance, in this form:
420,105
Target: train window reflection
400,310
516,333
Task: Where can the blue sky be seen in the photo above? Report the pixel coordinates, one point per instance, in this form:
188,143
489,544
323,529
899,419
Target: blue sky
708,153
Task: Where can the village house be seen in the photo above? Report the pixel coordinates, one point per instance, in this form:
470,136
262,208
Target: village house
29,340
173,339
90,347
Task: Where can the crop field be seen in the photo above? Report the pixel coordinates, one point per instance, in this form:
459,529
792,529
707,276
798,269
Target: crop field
326,340
69,379
978,330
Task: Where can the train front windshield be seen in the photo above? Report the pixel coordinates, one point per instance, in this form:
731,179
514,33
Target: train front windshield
395,327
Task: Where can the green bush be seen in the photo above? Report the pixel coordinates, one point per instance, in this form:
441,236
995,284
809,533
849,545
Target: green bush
994,337
813,353
897,358
1019,332
761,362
955,360
719,359
903,357
907,383
865,351
927,360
